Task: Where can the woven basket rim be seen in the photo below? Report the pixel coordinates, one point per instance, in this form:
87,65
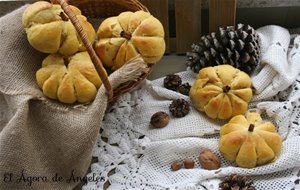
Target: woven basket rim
131,3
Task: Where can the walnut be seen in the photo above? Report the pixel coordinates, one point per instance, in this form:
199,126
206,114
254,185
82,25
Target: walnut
159,119
208,160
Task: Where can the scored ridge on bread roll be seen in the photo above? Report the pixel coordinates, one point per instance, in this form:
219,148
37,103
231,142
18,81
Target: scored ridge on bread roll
123,37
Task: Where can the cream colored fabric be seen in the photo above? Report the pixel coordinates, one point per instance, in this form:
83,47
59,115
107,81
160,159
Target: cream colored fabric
279,67
43,144
133,155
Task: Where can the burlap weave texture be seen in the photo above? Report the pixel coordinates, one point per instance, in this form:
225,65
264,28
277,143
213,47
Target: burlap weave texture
44,144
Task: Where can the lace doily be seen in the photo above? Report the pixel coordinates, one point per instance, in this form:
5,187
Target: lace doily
132,155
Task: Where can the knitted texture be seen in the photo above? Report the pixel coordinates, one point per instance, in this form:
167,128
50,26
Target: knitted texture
133,155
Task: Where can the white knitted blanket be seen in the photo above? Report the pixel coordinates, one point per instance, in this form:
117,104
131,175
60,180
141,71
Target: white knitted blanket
132,155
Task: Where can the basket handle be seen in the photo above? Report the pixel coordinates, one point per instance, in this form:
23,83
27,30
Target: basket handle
89,47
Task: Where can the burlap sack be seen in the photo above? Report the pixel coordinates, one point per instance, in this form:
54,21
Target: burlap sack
43,144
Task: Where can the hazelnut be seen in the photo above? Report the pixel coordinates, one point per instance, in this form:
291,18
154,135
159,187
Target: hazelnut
189,163
176,165
208,160
159,119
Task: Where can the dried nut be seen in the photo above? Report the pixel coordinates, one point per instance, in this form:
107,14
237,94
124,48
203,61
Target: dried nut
209,160
159,119
189,163
176,165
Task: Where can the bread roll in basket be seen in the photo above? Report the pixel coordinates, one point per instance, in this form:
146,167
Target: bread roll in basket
103,9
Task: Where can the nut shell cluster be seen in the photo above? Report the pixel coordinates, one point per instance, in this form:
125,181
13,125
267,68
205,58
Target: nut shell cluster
179,108
172,82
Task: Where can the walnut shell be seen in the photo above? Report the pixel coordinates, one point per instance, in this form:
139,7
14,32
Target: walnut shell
208,160
159,119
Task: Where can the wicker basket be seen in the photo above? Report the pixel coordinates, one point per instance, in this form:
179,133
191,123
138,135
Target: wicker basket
103,9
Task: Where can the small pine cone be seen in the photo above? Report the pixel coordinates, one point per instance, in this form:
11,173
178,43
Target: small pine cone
172,82
236,182
184,89
179,108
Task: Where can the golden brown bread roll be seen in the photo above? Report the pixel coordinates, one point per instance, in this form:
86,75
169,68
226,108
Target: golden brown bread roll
69,79
50,31
122,37
221,91
249,141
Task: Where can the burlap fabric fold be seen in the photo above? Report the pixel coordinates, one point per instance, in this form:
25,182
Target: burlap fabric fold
43,144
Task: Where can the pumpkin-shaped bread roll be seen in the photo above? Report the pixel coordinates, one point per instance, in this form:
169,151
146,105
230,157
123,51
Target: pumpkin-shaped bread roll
249,141
69,79
49,30
221,91
122,37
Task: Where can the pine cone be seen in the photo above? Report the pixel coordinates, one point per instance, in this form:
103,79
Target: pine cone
236,182
179,108
184,89
172,82
239,48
